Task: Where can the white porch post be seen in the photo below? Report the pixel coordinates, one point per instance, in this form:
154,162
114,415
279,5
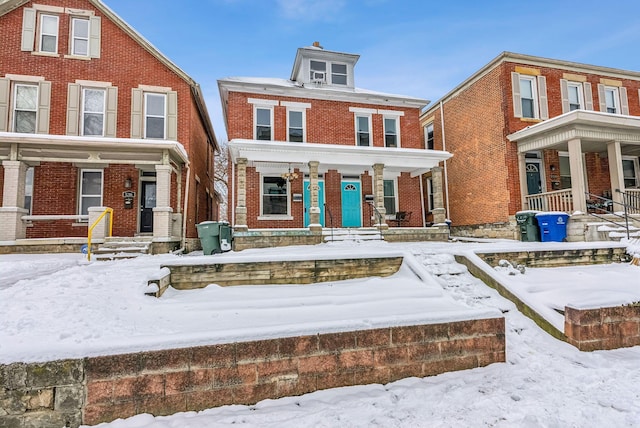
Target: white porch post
241,208
615,170
314,206
578,187
378,192
11,225
163,213
522,174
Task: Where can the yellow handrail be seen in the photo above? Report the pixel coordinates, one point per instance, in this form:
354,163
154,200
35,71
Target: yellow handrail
95,223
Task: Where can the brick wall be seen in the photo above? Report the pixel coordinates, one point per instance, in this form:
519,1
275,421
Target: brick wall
327,122
166,382
126,65
603,328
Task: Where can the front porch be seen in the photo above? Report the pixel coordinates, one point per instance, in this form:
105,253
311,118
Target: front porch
592,147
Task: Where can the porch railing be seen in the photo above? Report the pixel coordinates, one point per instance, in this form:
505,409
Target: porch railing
631,198
559,200
93,226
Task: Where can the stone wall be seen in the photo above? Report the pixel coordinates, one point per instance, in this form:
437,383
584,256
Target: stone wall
506,230
558,258
602,328
42,395
101,389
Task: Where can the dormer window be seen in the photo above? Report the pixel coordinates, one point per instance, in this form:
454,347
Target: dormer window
318,71
339,74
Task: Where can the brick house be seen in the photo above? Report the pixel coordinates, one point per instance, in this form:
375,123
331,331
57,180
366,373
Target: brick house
536,133
315,151
93,116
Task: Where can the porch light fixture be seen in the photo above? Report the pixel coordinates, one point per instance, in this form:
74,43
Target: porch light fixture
289,176
127,183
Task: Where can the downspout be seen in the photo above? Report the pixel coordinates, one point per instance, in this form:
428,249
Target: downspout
232,220
185,207
424,220
444,148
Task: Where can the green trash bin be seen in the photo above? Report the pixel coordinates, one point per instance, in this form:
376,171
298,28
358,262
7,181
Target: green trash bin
226,237
529,230
209,234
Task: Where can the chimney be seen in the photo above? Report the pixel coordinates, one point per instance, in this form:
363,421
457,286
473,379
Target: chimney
317,45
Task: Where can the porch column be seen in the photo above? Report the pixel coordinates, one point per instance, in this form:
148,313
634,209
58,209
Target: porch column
439,213
522,174
578,187
615,170
241,207
314,206
163,213
378,192
11,225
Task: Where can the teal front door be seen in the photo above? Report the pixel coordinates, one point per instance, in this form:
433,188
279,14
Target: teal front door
351,204
307,201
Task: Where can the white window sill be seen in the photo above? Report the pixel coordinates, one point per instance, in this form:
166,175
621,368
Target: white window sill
55,55
81,57
275,217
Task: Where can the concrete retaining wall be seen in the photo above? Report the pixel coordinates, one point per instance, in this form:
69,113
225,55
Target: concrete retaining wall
557,258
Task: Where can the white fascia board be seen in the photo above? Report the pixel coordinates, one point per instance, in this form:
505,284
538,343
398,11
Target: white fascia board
404,160
91,143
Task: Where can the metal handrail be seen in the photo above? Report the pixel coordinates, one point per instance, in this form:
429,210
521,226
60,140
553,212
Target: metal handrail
379,216
95,223
611,202
328,211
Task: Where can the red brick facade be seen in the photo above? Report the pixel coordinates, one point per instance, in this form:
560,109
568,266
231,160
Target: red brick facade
483,175
125,64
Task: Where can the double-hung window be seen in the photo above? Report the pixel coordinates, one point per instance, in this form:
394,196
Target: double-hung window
28,190
363,130
295,120
263,117
25,108
275,196
80,36
91,187
391,132
611,99
390,201
428,136
155,115
528,96
48,34
93,111
574,93
318,71
338,74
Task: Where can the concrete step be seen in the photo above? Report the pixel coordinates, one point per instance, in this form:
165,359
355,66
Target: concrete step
364,234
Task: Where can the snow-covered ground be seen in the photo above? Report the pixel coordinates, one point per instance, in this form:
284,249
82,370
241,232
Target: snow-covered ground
59,306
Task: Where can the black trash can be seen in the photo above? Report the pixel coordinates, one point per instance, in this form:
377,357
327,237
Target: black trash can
209,234
226,237
529,231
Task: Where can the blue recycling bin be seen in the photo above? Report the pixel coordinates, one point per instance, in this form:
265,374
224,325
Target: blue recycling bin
553,226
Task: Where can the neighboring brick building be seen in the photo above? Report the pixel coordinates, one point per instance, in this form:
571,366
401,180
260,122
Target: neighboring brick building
535,133
90,110
314,151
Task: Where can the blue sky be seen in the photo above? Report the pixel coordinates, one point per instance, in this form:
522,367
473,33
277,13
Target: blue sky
420,48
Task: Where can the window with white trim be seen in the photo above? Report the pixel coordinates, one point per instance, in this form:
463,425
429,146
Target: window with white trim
528,96
275,196
391,132
428,136
575,95
390,200
338,74
48,33
93,112
80,36
263,123
155,112
612,99
25,108
295,125
317,71
565,171
91,189
630,172
28,190
363,130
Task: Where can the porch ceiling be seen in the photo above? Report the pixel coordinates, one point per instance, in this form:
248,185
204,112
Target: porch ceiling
594,129
97,150
339,157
